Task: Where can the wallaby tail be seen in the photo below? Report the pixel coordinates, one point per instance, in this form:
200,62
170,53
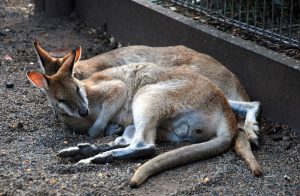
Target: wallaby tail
180,156
243,149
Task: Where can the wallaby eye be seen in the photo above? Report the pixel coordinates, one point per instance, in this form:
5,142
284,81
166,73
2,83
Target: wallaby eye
78,89
61,100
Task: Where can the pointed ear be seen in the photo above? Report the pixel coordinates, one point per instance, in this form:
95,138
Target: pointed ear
77,57
65,58
39,80
68,65
44,56
78,53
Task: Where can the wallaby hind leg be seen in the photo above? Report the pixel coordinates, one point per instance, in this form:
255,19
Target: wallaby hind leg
85,150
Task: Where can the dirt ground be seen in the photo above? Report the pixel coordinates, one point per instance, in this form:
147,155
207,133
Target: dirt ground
30,135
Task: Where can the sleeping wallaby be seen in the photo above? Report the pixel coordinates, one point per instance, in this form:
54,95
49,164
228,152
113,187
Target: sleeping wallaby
168,104
163,57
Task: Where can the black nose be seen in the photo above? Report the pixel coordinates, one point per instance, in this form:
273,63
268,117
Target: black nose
83,112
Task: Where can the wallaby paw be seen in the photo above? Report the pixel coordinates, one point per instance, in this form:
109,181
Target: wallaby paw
250,129
84,162
256,128
113,129
68,152
98,159
254,140
101,159
83,150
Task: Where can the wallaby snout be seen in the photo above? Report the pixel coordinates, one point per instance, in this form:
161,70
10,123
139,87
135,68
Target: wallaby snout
83,112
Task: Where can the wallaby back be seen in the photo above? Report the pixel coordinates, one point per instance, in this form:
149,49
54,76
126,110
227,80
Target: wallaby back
170,56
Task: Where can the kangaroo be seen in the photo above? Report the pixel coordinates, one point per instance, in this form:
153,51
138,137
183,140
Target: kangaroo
164,57
153,103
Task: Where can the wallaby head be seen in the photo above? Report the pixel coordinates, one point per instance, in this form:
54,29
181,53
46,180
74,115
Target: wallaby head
66,93
51,62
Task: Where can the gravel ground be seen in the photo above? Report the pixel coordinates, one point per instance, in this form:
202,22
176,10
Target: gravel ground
30,135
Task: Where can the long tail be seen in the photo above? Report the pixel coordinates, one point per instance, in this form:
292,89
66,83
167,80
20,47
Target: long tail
180,156
243,148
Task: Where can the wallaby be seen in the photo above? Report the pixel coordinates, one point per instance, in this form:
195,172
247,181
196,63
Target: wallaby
163,57
168,104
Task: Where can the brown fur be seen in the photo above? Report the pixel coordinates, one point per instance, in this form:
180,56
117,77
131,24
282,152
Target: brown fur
166,57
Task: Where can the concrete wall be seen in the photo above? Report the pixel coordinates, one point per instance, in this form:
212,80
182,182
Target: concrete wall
268,77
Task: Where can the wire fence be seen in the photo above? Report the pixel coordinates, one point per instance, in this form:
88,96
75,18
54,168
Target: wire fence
275,19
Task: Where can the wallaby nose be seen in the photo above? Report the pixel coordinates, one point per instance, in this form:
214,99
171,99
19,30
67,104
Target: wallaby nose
83,112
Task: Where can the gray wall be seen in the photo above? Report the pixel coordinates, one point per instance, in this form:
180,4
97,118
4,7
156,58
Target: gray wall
268,77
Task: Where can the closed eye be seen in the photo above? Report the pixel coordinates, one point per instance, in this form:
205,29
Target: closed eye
61,100
79,92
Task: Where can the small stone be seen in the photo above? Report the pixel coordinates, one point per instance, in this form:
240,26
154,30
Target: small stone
53,181
8,58
203,20
9,85
26,162
93,31
100,174
205,180
173,8
287,177
288,146
277,137
20,125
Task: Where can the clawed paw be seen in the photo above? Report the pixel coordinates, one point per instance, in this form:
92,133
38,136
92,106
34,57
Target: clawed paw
113,129
84,162
255,127
68,152
98,159
251,130
83,150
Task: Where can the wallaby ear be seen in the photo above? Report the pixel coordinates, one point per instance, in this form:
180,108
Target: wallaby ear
38,79
44,56
77,57
68,65
78,53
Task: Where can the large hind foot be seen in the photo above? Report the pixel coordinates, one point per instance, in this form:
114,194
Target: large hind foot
132,151
85,150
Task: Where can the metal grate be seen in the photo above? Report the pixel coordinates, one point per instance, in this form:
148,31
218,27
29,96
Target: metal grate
275,19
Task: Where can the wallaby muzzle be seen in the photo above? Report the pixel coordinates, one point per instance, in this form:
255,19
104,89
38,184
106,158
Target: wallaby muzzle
83,112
